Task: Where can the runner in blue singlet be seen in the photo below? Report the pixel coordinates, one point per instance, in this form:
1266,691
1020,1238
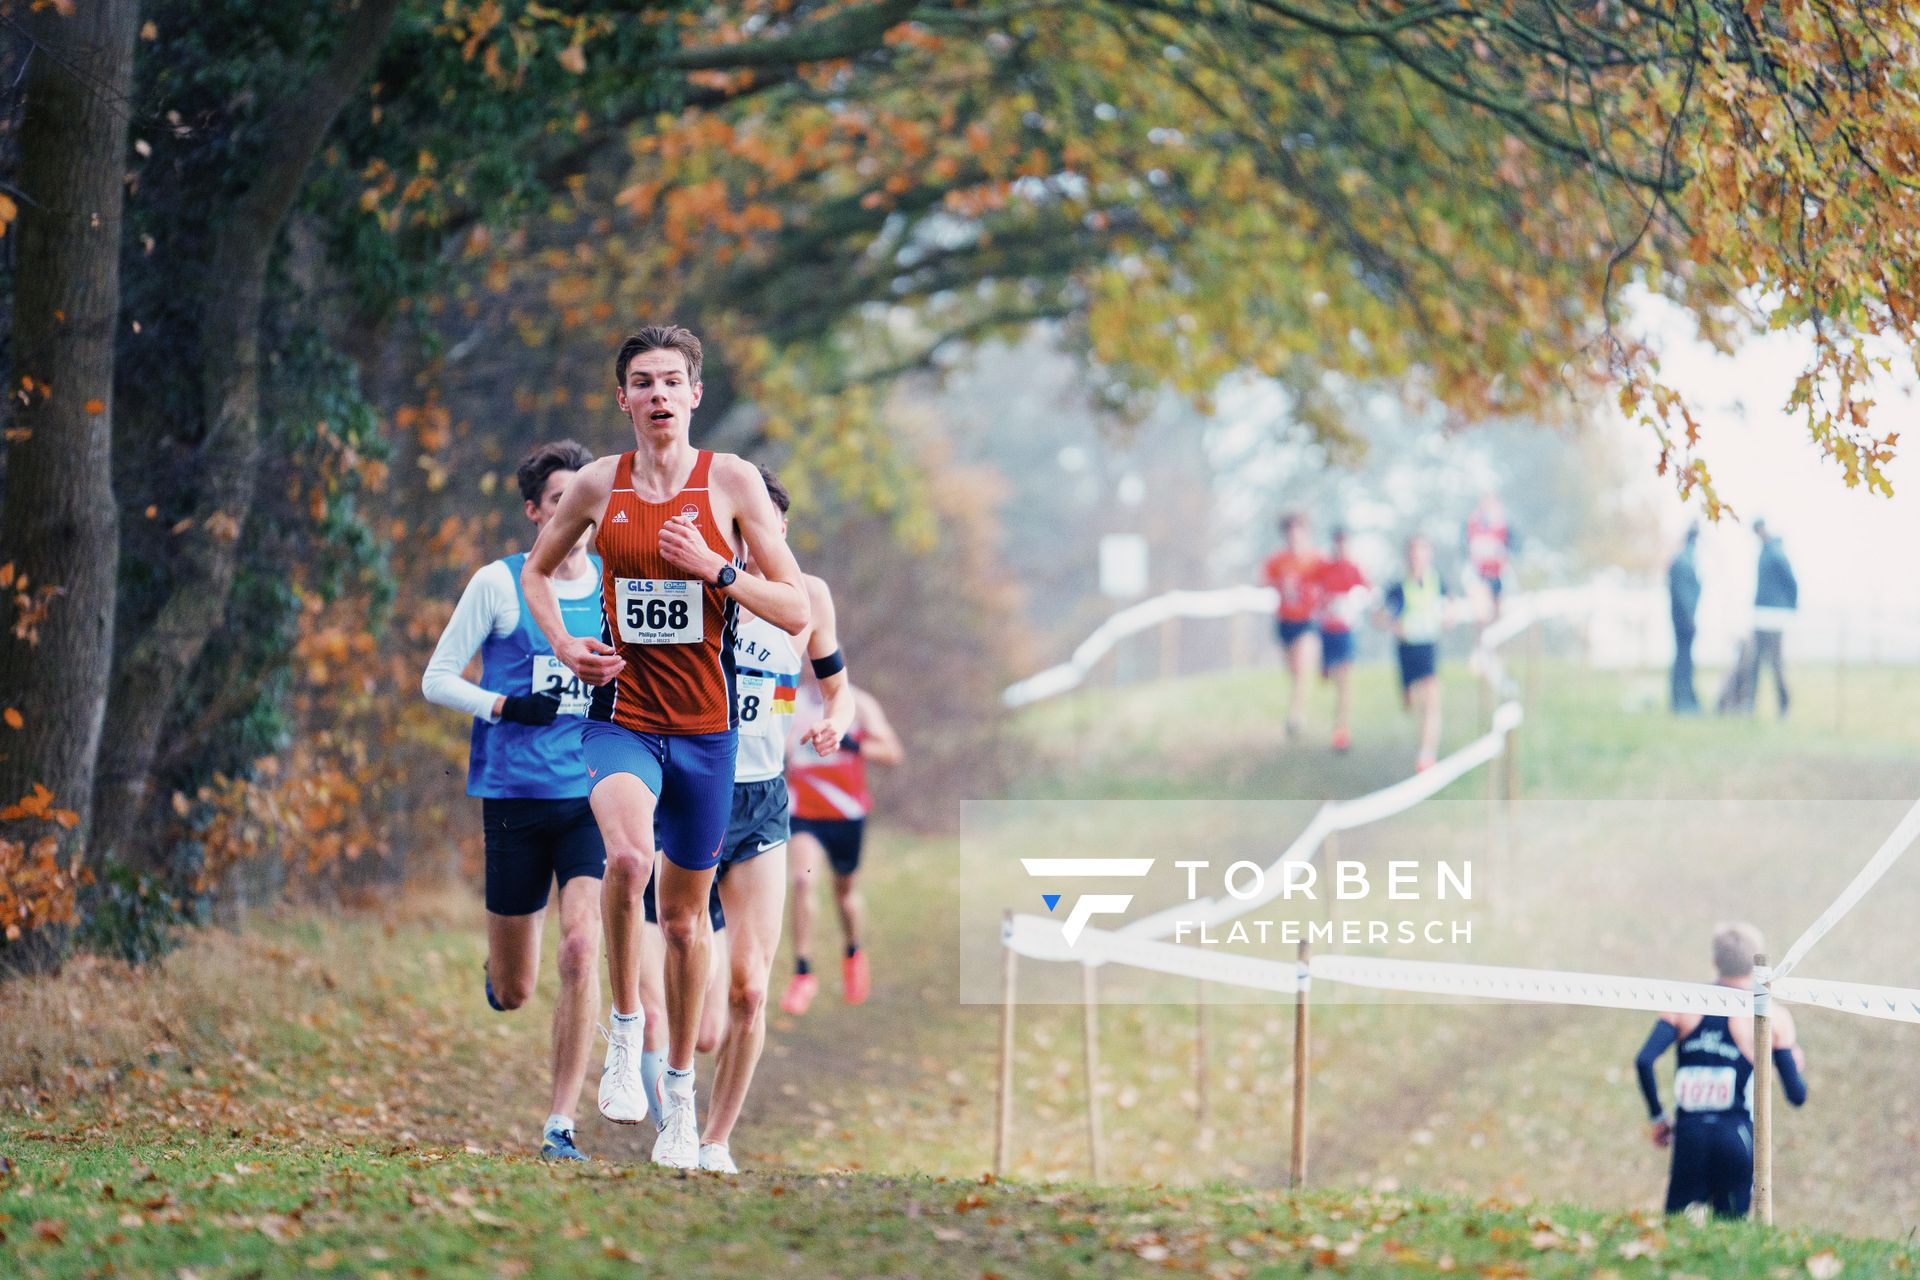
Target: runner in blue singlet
525,764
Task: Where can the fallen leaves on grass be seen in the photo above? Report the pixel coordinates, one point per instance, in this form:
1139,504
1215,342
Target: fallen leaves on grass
1645,1247
1824,1265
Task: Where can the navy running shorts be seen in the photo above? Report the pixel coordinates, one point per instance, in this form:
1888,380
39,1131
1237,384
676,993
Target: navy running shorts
759,821
690,774
1336,649
1417,662
840,837
1291,631
530,843
1713,1165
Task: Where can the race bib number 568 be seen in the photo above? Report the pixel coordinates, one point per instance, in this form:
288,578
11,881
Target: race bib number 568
659,610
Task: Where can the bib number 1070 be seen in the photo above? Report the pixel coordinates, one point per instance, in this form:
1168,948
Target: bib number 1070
1704,1088
659,610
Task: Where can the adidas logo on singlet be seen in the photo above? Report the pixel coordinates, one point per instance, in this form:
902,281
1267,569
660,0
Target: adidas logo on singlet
619,517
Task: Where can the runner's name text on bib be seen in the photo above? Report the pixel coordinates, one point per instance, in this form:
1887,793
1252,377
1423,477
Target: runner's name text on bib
659,610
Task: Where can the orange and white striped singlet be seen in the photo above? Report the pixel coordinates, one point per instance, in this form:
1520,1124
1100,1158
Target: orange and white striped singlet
675,631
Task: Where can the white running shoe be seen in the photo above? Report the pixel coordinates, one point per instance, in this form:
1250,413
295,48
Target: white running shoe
623,1098
715,1158
678,1146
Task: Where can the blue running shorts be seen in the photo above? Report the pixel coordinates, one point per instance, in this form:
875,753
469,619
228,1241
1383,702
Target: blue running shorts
690,774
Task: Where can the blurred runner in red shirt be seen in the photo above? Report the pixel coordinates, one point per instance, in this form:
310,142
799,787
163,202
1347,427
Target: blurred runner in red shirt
1291,571
1340,592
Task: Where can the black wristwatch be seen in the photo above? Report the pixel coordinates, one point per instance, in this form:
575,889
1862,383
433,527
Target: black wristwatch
724,579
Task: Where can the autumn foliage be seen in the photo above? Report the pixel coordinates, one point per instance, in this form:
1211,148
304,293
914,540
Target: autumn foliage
37,885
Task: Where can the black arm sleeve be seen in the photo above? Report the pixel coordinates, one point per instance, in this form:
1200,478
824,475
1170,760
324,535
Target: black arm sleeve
1792,1083
1659,1040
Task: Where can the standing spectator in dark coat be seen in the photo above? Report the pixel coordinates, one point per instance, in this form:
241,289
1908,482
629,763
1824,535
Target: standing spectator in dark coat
1776,595
1683,592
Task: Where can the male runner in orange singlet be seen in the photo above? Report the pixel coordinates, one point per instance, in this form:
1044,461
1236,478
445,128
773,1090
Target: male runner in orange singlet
674,526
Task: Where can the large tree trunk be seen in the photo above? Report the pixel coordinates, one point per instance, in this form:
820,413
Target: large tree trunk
59,533
229,456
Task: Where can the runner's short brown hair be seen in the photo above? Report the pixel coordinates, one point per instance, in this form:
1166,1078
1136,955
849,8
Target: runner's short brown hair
543,460
659,337
775,490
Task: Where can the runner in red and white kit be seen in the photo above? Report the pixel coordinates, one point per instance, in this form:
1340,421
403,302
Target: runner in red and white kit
831,801
1290,571
1489,547
673,525
1340,599
752,879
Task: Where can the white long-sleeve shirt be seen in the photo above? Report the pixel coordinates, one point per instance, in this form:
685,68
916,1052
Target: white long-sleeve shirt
490,606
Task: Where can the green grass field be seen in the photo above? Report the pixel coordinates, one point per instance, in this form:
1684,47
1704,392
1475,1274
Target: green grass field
348,1106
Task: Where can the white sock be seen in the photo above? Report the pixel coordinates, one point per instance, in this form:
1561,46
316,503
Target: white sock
680,1082
633,1022
558,1121
652,1063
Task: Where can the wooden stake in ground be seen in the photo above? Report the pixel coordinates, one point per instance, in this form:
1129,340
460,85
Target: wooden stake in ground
1511,752
1003,1117
1493,809
1297,1165
1762,1091
1090,1003
1201,1109
1328,854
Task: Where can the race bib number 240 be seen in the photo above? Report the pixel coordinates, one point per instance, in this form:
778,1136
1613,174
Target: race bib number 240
659,610
552,678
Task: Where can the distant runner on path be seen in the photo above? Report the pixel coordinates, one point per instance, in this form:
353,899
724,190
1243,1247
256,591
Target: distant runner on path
1490,549
1292,571
1340,595
1415,610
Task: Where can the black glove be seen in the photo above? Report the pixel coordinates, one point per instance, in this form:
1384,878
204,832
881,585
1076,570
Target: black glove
530,708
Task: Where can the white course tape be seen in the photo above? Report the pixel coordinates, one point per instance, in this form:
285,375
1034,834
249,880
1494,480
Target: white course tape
1898,1004
1041,939
1409,791
1890,850
1539,986
1131,620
